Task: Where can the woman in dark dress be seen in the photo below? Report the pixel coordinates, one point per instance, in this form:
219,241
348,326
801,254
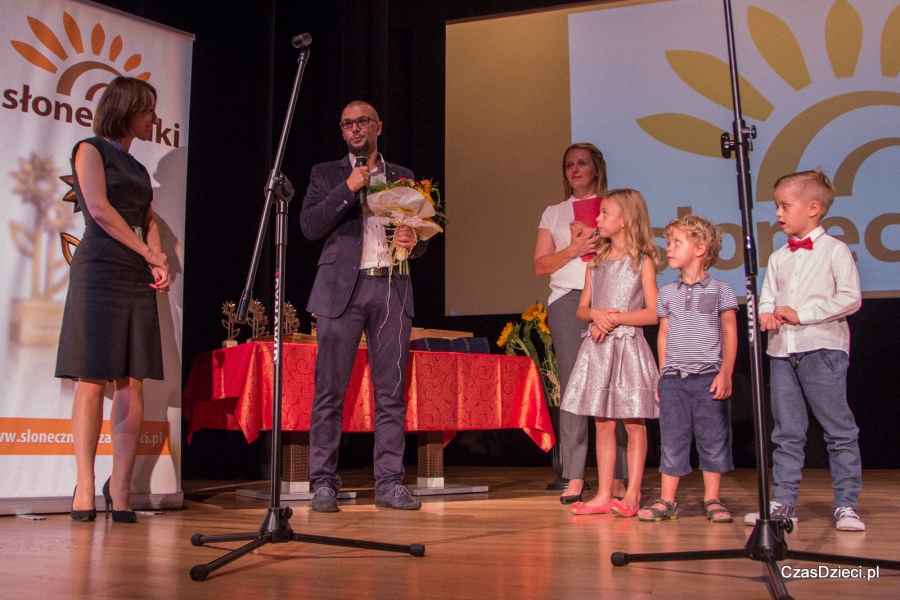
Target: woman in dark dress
110,328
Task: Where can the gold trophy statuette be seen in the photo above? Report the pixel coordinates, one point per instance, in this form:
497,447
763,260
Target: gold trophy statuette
257,320
35,320
230,324
290,328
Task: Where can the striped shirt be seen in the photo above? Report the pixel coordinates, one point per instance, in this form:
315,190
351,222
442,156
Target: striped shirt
694,332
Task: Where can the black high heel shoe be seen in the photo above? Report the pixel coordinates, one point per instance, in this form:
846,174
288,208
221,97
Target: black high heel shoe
118,516
82,515
571,499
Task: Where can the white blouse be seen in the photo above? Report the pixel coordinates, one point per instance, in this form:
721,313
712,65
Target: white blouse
570,276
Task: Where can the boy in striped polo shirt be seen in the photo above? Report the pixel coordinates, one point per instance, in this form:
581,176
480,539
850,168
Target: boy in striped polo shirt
697,346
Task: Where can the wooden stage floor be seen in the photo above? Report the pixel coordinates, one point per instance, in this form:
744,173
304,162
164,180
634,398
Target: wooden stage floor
517,541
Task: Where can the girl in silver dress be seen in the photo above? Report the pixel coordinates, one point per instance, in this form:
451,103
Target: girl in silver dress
615,374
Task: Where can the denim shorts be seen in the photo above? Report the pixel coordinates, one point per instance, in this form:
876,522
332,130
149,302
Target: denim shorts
687,411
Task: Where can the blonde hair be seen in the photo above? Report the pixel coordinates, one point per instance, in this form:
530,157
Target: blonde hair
599,164
811,185
700,231
638,234
122,99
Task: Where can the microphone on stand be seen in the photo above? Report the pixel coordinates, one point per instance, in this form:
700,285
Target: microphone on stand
361,161
301,41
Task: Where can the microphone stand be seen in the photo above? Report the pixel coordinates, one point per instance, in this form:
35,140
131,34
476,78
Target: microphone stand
276,528
766,543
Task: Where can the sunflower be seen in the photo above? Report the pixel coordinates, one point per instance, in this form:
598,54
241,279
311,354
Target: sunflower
517,339
533,312
504,335
543,323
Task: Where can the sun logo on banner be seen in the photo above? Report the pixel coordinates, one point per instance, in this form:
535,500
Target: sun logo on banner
74,62
777,44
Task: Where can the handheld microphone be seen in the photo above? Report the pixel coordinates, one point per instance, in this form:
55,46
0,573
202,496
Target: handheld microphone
361,161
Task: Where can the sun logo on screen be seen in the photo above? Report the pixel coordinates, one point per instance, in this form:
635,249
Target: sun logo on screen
71,60
778,46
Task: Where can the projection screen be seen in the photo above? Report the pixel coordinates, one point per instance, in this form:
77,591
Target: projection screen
648,83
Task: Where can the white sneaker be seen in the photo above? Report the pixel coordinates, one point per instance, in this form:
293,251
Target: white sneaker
848,520
777,512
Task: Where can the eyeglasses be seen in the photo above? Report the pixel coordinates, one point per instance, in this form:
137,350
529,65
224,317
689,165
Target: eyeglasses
361,122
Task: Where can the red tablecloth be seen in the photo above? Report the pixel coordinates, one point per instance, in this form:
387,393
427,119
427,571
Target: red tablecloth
232,389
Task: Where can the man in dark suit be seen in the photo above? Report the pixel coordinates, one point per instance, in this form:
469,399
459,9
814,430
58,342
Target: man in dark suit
352,294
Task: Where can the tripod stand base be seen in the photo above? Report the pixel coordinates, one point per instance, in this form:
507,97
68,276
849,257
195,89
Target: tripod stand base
766,544
416,490
266,495
276,529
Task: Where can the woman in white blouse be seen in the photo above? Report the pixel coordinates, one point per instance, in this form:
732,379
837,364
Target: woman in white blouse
561,242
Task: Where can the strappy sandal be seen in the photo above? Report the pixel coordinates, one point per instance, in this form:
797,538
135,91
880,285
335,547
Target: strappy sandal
717,515
668,514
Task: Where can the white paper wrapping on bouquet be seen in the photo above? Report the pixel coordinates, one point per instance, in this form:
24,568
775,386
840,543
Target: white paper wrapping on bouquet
404,206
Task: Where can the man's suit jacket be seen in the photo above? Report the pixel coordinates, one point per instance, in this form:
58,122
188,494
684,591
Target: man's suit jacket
330,209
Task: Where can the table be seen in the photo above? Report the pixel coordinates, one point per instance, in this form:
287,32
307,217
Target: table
448,392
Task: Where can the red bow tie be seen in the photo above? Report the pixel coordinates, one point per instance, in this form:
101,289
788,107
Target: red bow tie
795,245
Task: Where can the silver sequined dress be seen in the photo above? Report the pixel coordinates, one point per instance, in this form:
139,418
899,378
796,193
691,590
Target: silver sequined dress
616,378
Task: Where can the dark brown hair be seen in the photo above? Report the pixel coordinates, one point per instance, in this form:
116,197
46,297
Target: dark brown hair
123,98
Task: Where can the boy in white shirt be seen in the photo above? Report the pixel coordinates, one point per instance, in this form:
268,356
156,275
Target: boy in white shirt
811,287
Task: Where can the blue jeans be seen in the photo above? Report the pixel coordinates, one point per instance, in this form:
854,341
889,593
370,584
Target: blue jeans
819,378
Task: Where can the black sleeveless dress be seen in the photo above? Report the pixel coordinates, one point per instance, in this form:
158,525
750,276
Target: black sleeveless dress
110,327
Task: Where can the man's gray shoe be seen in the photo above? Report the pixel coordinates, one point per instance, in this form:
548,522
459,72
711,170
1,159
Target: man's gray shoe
777,512
324,500
398,498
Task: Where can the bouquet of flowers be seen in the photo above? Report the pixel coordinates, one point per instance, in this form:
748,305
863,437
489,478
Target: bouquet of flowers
516,338
415,204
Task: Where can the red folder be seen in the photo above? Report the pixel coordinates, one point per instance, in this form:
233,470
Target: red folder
587,212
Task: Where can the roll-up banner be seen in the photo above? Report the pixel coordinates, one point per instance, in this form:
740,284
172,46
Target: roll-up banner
56,57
